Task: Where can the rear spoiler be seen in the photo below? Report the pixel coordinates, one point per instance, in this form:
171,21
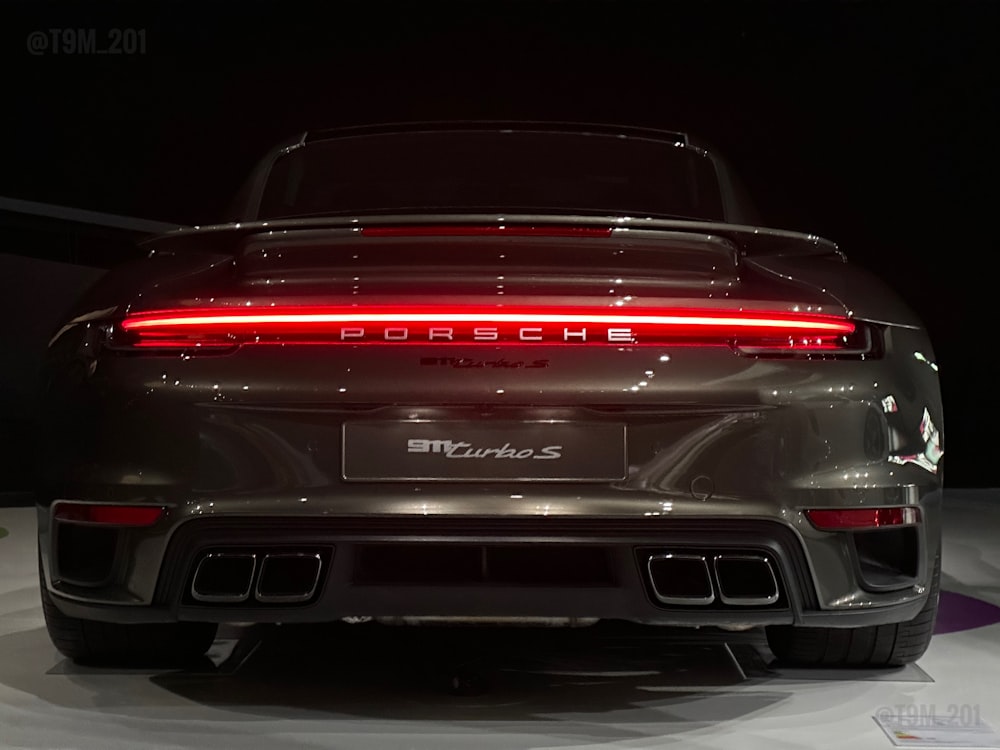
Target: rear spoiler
750,240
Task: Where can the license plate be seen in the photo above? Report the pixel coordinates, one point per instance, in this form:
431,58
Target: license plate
463,451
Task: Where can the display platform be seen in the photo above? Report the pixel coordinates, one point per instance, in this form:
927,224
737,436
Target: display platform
607,686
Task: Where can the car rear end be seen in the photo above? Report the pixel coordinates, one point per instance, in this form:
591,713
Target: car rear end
516,419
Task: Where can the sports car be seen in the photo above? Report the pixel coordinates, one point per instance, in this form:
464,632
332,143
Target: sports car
491,373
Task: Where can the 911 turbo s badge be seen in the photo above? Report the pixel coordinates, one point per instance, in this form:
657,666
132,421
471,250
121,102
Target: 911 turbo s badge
483,450
462,449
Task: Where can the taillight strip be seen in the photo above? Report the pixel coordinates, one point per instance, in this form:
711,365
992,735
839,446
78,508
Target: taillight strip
746,329
773,322
459,230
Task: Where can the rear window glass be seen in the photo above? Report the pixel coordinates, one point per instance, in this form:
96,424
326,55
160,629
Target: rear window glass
493,171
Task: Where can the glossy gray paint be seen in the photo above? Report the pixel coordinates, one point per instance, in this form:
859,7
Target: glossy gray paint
773,436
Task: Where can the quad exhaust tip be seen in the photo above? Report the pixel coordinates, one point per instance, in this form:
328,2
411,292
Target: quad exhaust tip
746,580
276,578
224,577
681,579
288,577
693,579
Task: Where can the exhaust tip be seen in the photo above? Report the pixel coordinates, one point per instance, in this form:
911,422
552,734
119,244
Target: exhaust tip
224,577
288,577
746,580
680,579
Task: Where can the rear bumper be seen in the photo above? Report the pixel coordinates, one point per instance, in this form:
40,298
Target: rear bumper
474,567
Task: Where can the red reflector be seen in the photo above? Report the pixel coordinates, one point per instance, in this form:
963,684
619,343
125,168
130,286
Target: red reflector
485,230
108,515
387,324
862,518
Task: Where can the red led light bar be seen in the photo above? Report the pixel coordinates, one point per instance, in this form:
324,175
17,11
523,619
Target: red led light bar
854,519
484,230
227,327
108,515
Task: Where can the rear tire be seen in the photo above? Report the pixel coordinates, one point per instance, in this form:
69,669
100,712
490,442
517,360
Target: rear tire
114,644
870,646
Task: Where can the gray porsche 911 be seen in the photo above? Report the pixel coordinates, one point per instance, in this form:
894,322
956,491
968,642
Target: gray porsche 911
501,373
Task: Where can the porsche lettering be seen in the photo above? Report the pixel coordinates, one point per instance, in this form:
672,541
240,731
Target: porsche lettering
480,334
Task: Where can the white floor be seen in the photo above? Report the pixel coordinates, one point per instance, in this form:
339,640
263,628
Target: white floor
333,688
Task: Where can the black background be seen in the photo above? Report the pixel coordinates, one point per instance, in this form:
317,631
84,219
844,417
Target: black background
873,124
